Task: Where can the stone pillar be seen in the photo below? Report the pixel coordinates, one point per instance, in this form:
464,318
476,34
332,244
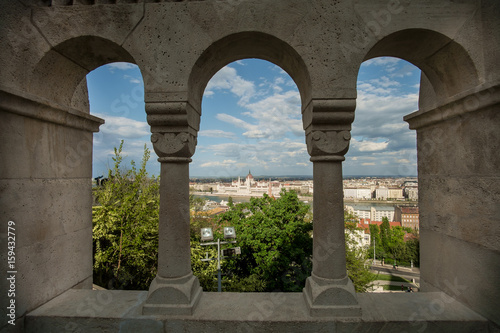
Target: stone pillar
328,291
175,290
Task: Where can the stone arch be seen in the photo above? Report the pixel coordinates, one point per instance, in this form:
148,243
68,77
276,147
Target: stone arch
447,65
60,75
245,45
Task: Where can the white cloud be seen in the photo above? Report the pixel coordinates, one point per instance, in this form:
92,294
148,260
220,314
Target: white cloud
274,156
273,117
391,104
277,115
273,136
235,121
217,134
132,79
228,78
225,163
385,82
122,66
369,146
382,61
124,127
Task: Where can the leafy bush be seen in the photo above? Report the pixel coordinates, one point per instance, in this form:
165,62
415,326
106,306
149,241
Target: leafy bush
125,227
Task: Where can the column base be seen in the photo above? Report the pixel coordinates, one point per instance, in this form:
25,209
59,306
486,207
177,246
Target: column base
335,298
173,296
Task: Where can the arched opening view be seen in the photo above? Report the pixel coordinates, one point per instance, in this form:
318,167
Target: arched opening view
380,174
125,188
251,171
182,79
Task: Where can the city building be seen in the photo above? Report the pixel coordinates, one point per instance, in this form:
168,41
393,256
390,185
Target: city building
362,193
395,193
372,214
411,193
408,216
360,236
249,187
382,193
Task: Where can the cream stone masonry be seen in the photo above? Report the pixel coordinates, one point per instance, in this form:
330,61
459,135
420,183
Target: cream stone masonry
328,291
47,47
175,290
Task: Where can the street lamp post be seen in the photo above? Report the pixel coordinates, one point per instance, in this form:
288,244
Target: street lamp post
207,235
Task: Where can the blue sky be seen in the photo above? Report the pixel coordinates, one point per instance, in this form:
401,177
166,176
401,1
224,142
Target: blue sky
251,119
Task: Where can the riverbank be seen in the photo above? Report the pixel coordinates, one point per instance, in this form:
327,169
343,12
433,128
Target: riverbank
309,199
238,197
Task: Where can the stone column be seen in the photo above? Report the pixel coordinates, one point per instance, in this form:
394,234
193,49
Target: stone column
175,290
328,291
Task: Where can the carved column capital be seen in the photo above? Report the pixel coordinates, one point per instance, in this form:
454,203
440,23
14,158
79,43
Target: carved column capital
174,146
328,145
174,125
328,123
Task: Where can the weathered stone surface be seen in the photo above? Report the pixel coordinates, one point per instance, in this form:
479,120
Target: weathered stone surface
39,151
461,214
42,264
47,47
256,312
451,148
458,197
458,268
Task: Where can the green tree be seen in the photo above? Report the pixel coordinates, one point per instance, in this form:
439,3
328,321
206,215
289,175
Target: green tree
199,219
276,248
206,271
385,230
356,255
375,238
275,243
125,227
412,248
396,243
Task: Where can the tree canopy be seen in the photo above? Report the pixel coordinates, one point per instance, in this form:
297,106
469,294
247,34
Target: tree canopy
275,240
356,255
125,226
275,237
390,243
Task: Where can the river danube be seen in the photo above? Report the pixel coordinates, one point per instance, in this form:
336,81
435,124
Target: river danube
364,205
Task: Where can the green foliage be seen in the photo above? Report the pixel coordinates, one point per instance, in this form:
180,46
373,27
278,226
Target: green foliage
199,218
275,243
412,252
395,242
390,277
358,271
390,244
206,271
391,288
385,230
125,227
375,238
274,236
